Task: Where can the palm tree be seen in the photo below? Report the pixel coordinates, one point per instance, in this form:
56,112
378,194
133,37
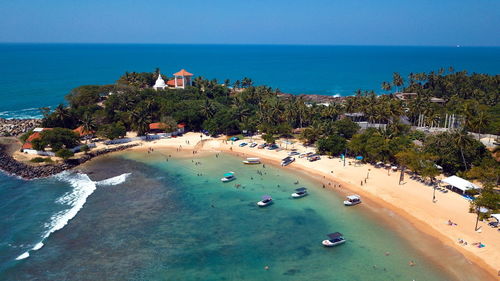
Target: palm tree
208,108
88,124
246,82
140,120
386,86
462,140
62,114
480,122
397,80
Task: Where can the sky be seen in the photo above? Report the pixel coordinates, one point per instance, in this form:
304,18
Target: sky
307,22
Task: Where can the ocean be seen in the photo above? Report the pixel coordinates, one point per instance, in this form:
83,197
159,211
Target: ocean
40,75
137,216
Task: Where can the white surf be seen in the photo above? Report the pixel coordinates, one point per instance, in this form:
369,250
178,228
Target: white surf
83,187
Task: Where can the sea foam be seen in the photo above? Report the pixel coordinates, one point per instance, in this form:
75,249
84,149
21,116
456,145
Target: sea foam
83,187
114,180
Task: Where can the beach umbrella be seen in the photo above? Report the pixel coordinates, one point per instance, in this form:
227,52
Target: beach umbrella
359,157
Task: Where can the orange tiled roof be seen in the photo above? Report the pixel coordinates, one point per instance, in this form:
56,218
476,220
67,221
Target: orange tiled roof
183,72
172,82
27,145
34,136
181,125
157,126
81,132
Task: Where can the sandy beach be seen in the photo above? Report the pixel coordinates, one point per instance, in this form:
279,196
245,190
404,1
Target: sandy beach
412,200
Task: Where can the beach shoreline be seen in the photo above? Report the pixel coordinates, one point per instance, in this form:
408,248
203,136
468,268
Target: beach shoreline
427,217
410,201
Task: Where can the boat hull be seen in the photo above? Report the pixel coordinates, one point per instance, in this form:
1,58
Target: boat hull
349,203
328,243
263,204
296,195
251,163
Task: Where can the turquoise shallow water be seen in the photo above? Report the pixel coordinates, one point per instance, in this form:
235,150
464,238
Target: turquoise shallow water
36,75
175,220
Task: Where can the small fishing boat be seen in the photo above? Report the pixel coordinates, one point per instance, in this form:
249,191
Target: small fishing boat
266,201
228,177
352,200
287,161
300,192
251,161
335,239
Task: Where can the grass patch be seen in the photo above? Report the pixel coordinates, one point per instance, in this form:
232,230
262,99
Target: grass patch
41,160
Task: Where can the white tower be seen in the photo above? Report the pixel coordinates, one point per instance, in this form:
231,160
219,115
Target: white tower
159,84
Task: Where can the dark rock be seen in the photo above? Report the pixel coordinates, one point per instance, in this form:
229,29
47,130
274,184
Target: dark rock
11,166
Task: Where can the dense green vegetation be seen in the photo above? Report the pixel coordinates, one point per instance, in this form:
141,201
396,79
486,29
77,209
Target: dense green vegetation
56,139
131,104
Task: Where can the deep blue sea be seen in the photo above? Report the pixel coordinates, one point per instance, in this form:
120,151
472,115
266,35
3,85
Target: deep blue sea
36,75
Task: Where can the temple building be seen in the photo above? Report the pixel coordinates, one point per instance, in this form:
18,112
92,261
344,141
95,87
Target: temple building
159,84
180,81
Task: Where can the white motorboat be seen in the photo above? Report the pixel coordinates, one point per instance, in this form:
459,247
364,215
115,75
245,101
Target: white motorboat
251,161
335,239
300,192
352,200
266,201
228,177
287,161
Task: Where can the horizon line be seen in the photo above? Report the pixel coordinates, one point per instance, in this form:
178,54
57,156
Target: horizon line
246,44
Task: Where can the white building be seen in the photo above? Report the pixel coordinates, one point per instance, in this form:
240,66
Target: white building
160,83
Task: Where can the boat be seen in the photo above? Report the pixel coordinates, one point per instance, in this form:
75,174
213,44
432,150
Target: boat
228,177
266,201
251,161
352,200
287,161
300,192
335,239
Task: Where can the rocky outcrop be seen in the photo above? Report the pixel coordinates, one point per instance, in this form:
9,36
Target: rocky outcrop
11,166
15,127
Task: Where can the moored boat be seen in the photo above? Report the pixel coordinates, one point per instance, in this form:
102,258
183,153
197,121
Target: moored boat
300,192
228,177
252,161
266,201
335,239
352,200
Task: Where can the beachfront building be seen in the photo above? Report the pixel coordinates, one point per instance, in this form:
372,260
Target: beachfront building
160,128
84,134
160,83
28,145
181,80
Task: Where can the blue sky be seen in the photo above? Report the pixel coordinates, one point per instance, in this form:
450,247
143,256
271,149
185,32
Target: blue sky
356,22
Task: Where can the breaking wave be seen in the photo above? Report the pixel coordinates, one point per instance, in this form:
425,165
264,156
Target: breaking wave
114,180
83,187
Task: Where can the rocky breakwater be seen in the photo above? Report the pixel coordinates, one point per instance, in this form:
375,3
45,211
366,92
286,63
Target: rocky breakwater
15,127
11,166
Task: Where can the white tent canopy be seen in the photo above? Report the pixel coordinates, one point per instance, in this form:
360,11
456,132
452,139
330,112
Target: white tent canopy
496,216
460,183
